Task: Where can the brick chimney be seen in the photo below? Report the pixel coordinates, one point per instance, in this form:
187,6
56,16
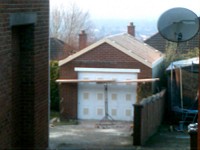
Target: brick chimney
82,40
131,29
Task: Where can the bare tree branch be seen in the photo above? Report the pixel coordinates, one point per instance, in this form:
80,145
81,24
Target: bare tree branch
67,23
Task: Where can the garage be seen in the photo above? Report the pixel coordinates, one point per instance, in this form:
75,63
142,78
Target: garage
105,68
120,95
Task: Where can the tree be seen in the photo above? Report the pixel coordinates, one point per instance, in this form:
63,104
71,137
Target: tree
67,23
173,53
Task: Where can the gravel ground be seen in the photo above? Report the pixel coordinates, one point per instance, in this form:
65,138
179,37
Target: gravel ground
86,135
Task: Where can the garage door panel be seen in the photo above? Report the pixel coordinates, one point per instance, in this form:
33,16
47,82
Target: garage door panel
121,96
100,113
114,113
122,101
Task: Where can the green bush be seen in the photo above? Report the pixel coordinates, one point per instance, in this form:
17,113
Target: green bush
54,73
172,54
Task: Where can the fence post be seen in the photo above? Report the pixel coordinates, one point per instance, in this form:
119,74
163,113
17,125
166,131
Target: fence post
137,124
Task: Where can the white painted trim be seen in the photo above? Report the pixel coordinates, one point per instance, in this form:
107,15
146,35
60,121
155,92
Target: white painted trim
110,42
158,61
106,70
83,51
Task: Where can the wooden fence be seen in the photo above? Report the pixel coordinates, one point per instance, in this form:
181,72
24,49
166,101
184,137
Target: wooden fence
148,116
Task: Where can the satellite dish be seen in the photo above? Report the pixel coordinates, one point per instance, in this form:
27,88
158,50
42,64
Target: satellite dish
178,24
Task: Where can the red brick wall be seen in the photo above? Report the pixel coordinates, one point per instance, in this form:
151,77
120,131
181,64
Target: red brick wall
24,75
103,56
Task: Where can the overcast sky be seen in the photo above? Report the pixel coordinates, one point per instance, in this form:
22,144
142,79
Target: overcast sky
125,9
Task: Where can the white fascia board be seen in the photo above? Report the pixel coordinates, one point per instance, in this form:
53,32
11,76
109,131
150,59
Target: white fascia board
158,61
78,69
83,51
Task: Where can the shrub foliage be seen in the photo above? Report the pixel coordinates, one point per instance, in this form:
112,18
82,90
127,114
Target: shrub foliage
54,90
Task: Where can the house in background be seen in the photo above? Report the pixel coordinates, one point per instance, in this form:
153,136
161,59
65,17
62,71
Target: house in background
115,58
59,49
158,42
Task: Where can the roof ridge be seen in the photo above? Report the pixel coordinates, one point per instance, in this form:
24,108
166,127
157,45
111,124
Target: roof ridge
125,43
113,35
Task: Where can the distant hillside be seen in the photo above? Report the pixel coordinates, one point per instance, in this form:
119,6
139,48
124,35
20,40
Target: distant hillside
144,28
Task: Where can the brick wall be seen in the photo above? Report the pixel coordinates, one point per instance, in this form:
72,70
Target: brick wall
24,46
103,56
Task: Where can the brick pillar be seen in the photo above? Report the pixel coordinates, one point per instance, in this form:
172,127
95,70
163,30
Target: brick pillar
82,40
24,40
131,29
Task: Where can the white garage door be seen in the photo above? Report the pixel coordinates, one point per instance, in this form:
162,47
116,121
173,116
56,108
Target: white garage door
121,96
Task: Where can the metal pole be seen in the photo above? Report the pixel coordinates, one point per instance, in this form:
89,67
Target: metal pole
107,119
198,135
106,100
181,88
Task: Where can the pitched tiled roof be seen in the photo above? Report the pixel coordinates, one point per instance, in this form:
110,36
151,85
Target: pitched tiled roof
128,45
136,47
59,49
158,42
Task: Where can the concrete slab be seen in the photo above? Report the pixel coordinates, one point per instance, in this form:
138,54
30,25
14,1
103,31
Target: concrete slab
86,136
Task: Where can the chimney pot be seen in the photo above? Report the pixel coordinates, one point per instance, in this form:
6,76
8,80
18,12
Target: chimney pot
82,31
